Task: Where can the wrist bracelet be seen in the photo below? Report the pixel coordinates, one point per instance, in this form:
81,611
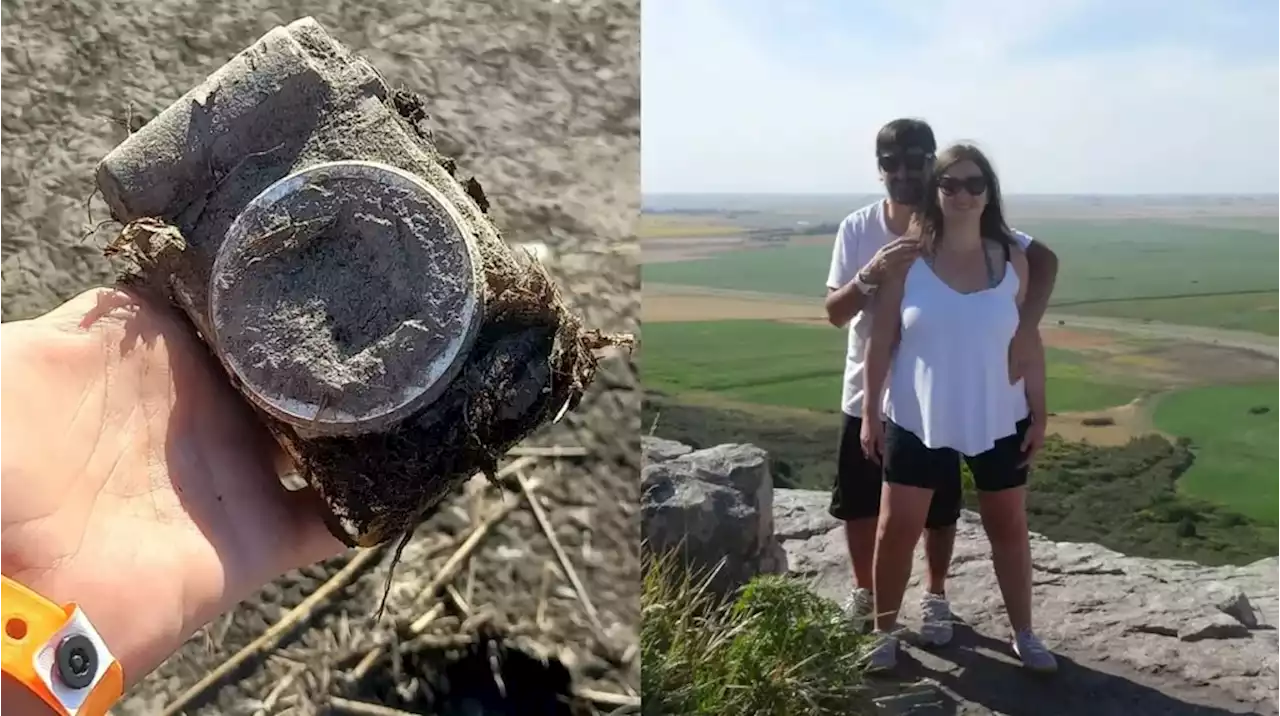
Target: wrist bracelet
57,654
864,287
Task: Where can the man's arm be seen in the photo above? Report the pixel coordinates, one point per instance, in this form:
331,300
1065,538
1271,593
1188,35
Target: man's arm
844,299
844,303
1042,269
1034,371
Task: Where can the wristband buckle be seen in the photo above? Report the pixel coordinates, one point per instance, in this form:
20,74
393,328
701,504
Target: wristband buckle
56,653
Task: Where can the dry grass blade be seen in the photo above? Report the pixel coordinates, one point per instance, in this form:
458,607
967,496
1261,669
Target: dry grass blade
270,702
364,708
459,601
446,573
526,486
607,698
443,577
371,657
450,568
554,451
272,636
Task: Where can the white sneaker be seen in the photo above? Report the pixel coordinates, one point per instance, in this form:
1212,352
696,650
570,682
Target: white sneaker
884,653
858,608
1035,656
935,627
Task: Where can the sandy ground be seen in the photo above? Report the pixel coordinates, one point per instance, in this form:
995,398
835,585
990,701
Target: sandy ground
1111,427
659,306
540,100
666,249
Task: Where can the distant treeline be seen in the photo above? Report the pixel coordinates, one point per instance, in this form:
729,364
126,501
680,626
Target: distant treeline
782,234
727,213
762,234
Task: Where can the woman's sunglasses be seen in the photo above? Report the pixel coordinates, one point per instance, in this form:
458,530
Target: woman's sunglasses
890,163
975,186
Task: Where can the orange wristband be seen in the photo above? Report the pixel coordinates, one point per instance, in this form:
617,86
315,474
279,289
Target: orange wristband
57,654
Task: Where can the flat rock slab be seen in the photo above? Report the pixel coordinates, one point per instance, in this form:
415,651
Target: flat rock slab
1133,635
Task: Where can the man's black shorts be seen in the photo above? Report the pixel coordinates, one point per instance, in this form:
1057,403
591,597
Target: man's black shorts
909,462
856,494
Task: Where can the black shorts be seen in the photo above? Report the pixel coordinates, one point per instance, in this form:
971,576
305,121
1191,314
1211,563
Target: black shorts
856,494
909,462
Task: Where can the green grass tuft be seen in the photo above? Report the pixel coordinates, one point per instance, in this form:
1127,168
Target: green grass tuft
773,648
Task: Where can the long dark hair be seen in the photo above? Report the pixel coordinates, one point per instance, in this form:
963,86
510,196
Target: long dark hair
992,224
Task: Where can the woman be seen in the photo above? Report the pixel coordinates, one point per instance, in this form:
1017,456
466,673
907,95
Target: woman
945,326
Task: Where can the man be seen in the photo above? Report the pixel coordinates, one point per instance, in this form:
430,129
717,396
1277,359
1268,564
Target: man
871,246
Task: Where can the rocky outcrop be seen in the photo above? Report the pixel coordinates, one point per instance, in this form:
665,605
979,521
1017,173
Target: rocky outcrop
1135,636
709,505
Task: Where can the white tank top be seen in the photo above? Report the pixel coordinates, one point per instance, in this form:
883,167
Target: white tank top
949,380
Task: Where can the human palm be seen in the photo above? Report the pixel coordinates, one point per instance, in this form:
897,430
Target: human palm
136,482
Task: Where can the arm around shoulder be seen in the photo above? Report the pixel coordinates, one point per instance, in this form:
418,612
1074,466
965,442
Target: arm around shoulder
844,299
1022,267
1042,260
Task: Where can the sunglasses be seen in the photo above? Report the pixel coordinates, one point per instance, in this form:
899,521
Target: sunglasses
975,186
890,163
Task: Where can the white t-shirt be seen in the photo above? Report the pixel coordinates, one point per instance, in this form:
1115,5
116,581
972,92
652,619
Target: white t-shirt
860,236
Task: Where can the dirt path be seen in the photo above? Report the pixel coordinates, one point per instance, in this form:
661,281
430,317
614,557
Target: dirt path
1243,340
1109,428
663,302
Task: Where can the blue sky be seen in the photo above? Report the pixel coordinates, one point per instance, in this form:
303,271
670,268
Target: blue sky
1067,96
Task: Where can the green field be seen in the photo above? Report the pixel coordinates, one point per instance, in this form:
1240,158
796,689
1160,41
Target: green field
1100,261
782,364
1239,311
1126,498
766,363
1235,449
678,226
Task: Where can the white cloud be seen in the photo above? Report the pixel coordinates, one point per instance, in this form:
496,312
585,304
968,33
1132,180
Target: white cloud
726,111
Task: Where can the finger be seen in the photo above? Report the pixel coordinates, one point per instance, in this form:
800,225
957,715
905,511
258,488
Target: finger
1029,449
120,315
313,539
83,310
